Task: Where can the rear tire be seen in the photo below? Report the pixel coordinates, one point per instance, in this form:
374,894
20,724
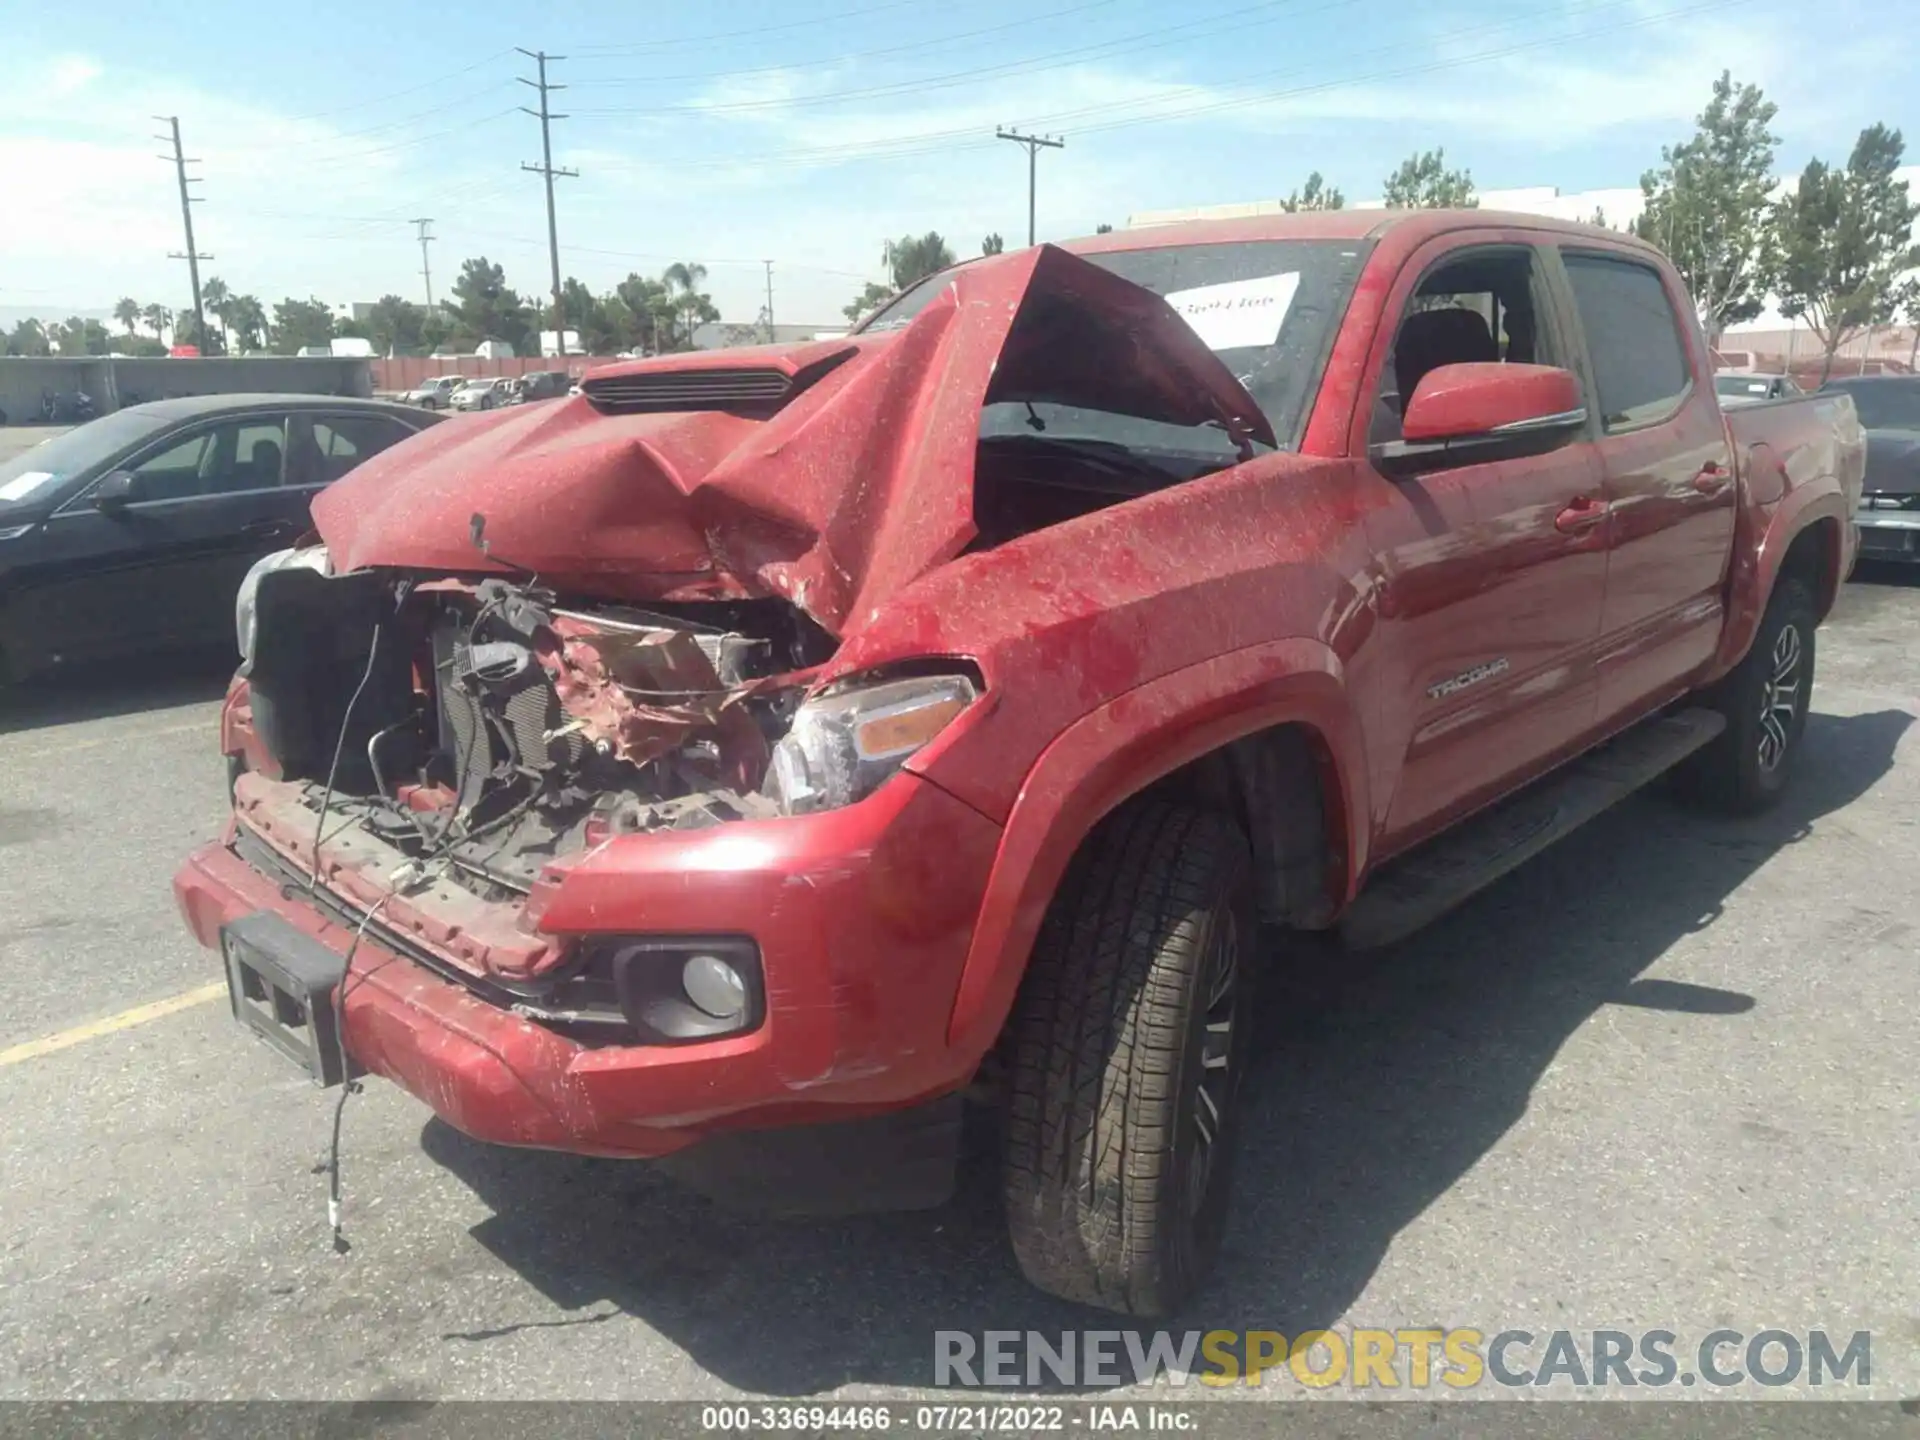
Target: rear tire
1126,1050
1765,700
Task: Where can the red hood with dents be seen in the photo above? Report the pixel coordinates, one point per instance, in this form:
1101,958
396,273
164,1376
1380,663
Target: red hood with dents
858,484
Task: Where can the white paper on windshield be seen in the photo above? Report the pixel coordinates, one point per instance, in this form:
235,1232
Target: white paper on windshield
25,483
1238,313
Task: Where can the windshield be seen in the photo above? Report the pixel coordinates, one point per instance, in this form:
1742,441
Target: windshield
1267,308
29,479
1887,405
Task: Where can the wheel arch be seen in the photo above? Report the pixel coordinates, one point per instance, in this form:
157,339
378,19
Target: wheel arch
1226,731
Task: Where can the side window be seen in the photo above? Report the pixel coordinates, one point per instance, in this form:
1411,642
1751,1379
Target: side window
1633,338
340,442
174,473
1481,306
220,460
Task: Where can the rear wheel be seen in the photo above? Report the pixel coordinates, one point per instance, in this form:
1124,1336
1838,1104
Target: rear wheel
1765,700
1127,1047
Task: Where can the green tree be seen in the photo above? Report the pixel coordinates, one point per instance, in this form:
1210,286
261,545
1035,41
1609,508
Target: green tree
1316,194
156,319
692,306
248,318
1844,239
642,311
187,330
487,310
1707,206
1103,228
127,312
29,338
596,318
298,324
1423,182
993,245
868,300
912,258
218,300
80,337
396,326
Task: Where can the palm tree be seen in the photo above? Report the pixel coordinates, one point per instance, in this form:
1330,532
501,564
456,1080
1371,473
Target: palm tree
127,312
683,283
219,301
249,320
157,318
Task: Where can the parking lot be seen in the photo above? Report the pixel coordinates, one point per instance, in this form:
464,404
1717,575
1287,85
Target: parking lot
1664,1076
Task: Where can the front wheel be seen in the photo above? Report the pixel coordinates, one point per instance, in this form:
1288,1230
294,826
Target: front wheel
1765,699
1127,1046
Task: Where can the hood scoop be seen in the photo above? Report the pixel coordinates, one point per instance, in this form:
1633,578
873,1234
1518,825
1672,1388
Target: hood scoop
657,389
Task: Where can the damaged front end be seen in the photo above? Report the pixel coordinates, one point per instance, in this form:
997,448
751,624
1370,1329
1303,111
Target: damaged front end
447,750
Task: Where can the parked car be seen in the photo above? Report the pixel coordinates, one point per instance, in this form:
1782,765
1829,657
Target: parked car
1753,389
434,393
805,738
1889,514
131,533
541,385
484,392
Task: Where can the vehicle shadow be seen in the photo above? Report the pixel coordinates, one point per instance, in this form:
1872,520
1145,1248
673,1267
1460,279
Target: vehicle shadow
1382,1080
122,687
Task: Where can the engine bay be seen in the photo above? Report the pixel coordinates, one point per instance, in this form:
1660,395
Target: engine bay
502,727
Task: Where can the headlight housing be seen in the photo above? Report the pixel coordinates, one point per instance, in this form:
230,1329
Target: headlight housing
844,745
314,558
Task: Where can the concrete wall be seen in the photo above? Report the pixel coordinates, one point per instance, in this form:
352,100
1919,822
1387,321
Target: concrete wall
115,383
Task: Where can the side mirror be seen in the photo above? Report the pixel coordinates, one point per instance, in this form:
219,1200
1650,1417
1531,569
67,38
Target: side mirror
116,490
1468,414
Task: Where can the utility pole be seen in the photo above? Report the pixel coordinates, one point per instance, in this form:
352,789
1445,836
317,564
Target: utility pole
426,270
545,168
769,265
1034,144
193,257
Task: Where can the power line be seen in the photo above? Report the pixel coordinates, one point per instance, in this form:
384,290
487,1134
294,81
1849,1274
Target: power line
649,46
426,269
192,256
548,173
1035,144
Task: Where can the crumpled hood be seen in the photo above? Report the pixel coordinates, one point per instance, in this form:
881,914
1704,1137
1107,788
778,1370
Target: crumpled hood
1893,462
857,484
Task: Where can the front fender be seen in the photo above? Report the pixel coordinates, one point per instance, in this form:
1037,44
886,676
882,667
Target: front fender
1115,752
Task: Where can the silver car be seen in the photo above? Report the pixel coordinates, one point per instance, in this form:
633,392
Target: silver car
434,392
483,393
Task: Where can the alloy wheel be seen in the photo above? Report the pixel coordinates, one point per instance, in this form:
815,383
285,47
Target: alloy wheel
1214,1086
1780,699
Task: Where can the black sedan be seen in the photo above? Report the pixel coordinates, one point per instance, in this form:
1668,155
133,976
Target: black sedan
1889,514
132,532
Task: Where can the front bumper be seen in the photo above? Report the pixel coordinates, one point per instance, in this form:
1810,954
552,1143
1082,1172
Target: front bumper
863,918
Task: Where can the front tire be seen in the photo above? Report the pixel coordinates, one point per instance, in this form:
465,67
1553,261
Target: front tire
1127,1046
1765,699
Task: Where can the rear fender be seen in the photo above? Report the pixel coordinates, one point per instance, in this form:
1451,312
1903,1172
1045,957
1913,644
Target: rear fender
1765,535
1116,752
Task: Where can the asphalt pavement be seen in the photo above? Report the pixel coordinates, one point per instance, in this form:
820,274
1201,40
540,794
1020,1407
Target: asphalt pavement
1663,1076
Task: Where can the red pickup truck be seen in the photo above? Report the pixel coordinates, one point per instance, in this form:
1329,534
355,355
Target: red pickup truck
747,760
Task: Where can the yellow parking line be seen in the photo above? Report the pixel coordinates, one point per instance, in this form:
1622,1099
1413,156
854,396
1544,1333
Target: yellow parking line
125,1020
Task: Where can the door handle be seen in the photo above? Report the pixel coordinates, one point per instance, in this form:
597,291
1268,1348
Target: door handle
266,529
1582,513
1711,479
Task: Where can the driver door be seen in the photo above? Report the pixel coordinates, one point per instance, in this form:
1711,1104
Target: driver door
160,571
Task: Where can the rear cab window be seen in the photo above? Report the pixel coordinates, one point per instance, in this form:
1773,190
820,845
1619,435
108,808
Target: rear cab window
1634,343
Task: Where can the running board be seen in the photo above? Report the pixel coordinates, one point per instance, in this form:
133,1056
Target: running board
1427,882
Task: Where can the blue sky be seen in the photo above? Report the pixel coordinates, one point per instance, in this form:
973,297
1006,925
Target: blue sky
809,131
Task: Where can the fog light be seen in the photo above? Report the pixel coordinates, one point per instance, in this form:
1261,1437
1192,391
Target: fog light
714,986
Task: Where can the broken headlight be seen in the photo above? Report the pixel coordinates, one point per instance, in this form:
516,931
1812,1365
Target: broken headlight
842,746
314,557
